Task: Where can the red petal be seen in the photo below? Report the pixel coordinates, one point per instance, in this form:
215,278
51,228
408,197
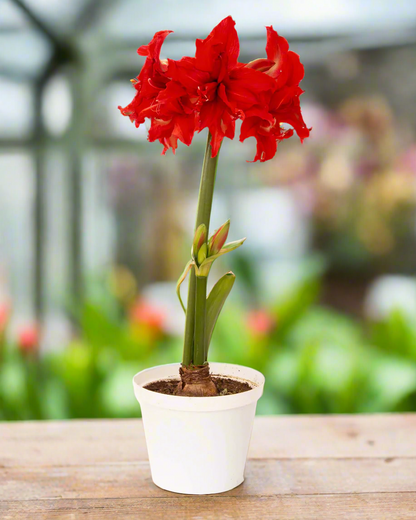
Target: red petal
245,85
151,80
152,50
185,128
276,47
215,116
260,64
296,69
172,91
169,142
266,148
285,107
185,72
221,43
266,143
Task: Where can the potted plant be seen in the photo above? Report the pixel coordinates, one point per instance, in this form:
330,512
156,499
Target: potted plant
198,425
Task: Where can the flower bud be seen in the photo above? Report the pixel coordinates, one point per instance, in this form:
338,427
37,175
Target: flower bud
218,239
202,253
199,239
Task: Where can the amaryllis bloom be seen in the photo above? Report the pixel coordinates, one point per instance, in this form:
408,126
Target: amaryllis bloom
212,90
265,122
173,118
222,88
281,64
150,82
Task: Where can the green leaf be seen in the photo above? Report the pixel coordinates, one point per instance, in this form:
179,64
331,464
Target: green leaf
232,245
180,281
393,380
215,303
203,269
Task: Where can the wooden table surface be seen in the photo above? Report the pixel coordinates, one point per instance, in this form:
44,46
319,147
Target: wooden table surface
299,467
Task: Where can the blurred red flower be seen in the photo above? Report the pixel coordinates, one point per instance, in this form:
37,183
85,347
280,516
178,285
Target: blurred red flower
143,313
212,90
4,316
28,339
260,322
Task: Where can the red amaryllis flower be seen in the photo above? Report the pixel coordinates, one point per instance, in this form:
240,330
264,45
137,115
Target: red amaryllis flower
220,87
212,90
174,117
151,80
264,121
170,113
281,64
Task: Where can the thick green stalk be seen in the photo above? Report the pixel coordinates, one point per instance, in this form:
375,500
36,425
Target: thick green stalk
188,346
206,188
194,313
200,315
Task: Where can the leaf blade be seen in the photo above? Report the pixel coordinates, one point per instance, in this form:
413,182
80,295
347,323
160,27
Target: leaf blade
181,280
215,303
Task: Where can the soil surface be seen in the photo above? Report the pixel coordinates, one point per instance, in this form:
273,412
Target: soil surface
225,386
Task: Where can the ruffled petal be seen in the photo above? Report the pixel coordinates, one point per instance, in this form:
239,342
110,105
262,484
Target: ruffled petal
285,107
172,116
151,80
152,49
246,87
220,45
261,130
277,47
187,74
260,64
296,69
216,116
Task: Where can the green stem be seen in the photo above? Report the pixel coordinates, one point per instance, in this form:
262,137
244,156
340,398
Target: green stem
188,346
206,188
200,307
194,313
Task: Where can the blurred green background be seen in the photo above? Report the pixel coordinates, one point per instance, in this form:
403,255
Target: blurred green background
96,226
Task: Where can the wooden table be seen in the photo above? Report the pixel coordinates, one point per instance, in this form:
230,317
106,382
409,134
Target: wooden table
299,467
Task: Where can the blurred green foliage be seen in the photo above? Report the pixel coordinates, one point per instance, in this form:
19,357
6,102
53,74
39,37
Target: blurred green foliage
315,360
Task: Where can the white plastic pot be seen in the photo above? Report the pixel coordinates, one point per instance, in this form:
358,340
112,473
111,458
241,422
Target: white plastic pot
198,445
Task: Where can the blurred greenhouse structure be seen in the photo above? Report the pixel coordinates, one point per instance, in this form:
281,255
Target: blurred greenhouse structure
95,224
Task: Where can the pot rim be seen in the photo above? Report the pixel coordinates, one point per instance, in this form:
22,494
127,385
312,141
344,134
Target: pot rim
198,404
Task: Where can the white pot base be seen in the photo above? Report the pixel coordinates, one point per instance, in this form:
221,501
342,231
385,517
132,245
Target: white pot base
198,445
165,488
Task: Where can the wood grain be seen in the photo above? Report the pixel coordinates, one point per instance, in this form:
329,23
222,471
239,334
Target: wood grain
94,442
263,477
299,467
374,506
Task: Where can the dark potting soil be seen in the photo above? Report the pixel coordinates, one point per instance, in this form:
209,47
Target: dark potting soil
225,386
